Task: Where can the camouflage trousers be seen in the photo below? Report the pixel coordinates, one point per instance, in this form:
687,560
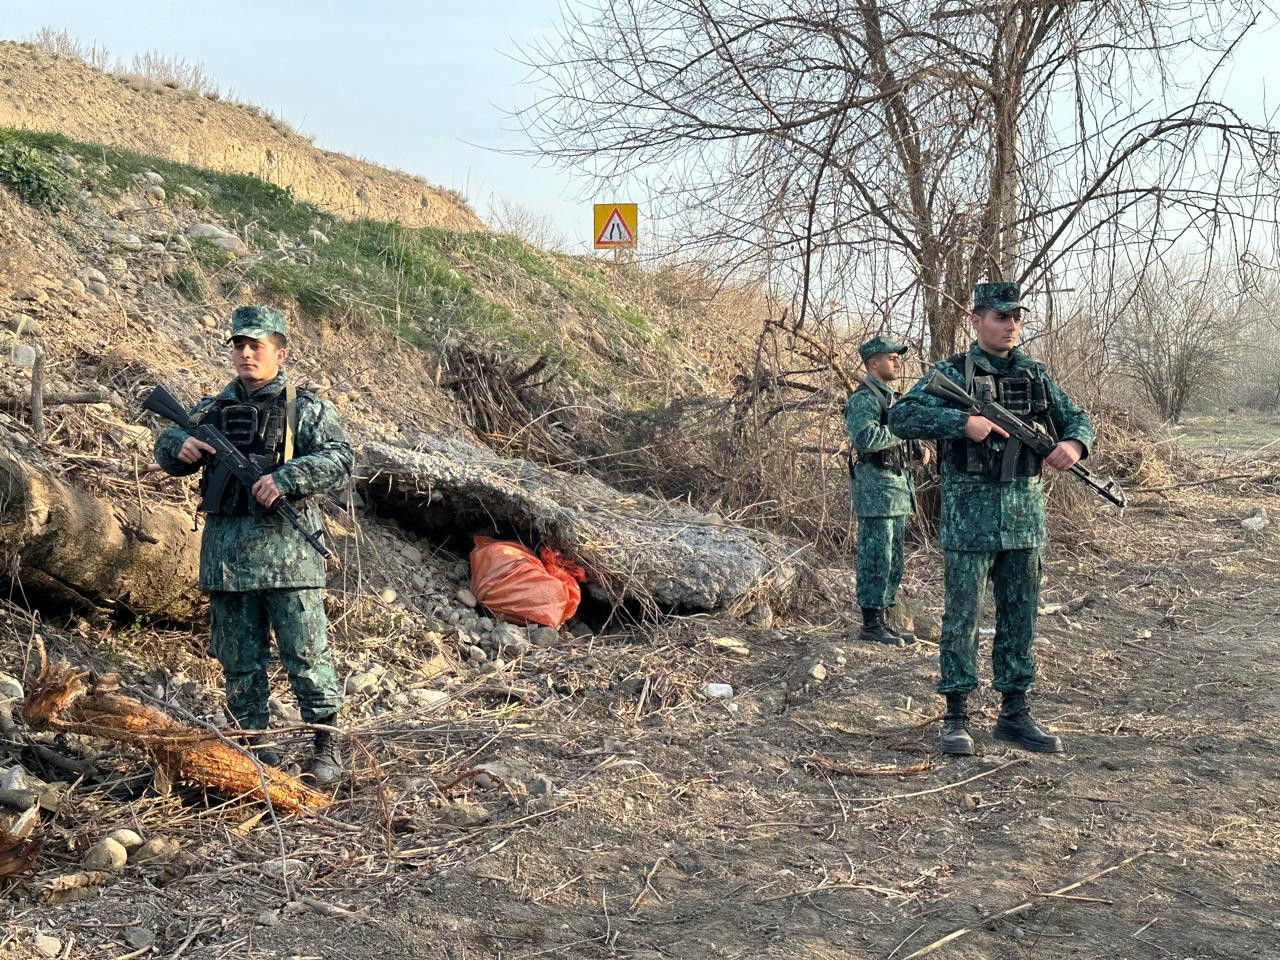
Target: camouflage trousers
1016,576
241,626
879,560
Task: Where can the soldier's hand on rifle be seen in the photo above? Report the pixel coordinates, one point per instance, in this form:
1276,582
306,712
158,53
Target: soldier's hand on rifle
978,428
1065,455
266,491
193,449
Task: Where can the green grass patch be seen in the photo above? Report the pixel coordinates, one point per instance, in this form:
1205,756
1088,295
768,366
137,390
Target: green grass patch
422,283
31,174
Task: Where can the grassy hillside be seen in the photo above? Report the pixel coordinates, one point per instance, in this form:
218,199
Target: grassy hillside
425,285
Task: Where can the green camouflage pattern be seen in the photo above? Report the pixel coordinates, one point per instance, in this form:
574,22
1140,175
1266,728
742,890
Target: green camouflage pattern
1016,575
257,323
979,513
241,624
1001,297
880,344
258,553
876,491
879,567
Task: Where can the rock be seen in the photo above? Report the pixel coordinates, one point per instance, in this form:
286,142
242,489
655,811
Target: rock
494,666
48,946
208,321
23,355
153,178
269,918
464,814
106,854
34,295
485,624
123,240
127,838
74,286
118,266
131,436
411,553
545,637
14,778
316,236
718,691
91,275
155,194
659,550
466,597
986,633
191,193
388,595
233,245
365,683
10,688
476,654
730,645
20,323
461,570
98,289
1256,521
428,698
969,801
139,938
208,231
818,672
155,850
541,787
761,615
279,869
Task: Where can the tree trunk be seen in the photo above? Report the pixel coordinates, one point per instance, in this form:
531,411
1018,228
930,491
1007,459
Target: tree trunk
80,549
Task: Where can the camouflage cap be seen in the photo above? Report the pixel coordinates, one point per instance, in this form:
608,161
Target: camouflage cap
257,322
880,344
1001,297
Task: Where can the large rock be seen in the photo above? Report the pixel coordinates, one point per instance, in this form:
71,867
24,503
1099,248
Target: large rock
633,546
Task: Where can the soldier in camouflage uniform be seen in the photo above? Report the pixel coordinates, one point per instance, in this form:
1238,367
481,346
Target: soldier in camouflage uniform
993,520
882,488
260,574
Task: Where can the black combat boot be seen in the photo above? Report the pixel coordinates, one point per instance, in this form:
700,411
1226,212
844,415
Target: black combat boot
955,727
1014,725
264,750
874,629
325,765
906,636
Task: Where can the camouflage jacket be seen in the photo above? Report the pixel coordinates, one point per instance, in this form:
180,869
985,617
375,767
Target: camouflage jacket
978,513
877,491
259,553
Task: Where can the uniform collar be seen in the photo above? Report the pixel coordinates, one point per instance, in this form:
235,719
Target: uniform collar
875,383
235,389
1017,360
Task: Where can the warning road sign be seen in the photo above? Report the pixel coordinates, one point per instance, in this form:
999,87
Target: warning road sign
616,225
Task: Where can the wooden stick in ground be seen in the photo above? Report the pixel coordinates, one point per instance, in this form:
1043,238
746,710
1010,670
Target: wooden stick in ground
1022,907
61,700
37,394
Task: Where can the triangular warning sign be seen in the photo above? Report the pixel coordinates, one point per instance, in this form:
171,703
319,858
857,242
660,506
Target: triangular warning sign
615,232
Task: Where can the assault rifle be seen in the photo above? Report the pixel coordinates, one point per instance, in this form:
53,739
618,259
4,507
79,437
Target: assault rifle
161,401
1032,435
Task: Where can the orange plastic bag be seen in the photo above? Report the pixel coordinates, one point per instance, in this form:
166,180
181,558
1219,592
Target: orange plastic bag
523,588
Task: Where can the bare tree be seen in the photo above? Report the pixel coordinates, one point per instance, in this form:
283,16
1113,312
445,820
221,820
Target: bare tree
878,159
1180,333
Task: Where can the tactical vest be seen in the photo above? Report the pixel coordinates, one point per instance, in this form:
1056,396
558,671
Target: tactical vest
1024,394
890,458
263,430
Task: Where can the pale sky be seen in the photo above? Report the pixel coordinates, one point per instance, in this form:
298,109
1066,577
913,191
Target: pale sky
423,86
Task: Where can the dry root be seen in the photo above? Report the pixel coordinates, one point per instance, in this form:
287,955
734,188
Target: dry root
60,699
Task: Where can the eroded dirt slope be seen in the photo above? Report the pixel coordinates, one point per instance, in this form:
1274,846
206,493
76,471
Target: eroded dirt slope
39,91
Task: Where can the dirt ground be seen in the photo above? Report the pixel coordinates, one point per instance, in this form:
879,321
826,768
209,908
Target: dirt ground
622,814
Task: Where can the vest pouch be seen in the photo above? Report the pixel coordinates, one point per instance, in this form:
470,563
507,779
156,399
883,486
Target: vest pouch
240,423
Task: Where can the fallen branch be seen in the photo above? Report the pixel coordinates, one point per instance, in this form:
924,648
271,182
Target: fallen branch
1021,908
835,766
1208,480
60,699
